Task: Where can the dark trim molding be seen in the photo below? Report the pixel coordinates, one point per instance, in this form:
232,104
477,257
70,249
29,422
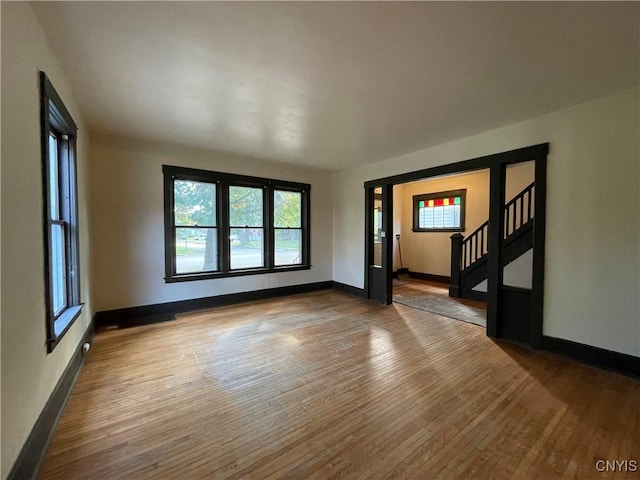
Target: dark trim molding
507,158
130,322
431,277
539,229
188,277
594,356
133,316
30,457
56,119
350,289
476,295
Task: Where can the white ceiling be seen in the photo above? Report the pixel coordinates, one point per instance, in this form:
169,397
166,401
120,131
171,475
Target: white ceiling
335,85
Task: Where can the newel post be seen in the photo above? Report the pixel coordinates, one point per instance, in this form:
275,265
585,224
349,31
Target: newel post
456,260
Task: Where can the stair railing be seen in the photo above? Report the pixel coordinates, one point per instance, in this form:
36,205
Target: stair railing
519,210
466,251
475,245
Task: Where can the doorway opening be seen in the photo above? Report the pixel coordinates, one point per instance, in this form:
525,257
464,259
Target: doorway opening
500,261
427,215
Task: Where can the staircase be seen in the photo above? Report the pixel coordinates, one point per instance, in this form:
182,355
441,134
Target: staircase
469,255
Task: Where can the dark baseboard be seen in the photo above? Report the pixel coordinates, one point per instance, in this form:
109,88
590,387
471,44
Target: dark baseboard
30,457
595,356
139,321
430,276
358,292
474,295
400,271
132,316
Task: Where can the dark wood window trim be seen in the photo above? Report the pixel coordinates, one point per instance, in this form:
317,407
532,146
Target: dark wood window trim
56,121
462,193
223,181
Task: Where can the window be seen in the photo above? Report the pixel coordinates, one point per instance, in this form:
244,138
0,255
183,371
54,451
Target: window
246,222
195,226
219,225
62,281
439,212
287,224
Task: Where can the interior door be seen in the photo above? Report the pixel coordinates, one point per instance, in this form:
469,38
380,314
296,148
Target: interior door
378,262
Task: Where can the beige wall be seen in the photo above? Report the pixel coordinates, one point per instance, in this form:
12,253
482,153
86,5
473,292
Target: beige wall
592,255
430,252
128,224
398,219
29,374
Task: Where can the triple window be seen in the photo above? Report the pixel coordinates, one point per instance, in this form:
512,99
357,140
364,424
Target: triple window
219,224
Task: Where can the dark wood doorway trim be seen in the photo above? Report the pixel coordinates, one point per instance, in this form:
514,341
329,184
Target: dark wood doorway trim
387,253
497,164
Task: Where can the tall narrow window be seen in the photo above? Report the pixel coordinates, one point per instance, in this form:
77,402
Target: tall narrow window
62,282
246,222
287,223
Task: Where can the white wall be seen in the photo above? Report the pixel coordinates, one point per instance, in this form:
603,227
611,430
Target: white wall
398,220
128,223
517,273
592,261
29,374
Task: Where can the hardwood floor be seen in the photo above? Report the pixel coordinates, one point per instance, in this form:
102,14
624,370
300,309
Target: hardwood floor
433,297
325,385
429,287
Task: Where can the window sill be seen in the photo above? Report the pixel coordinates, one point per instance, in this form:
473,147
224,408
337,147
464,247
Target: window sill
235,273
63,324
420,230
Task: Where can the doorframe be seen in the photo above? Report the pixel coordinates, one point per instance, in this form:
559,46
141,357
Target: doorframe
387,226
497,164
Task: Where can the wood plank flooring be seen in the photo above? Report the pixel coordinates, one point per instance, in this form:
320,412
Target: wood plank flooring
434,297
430,287
325,385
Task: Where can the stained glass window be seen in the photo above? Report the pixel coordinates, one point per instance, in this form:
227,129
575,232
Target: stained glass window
439,211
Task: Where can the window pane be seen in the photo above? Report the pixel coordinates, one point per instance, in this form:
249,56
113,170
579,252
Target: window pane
58,269
428,218
377,232
438,217
449,216
196,250
195,203
287,209
53,178
247,247
288,247
245,207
